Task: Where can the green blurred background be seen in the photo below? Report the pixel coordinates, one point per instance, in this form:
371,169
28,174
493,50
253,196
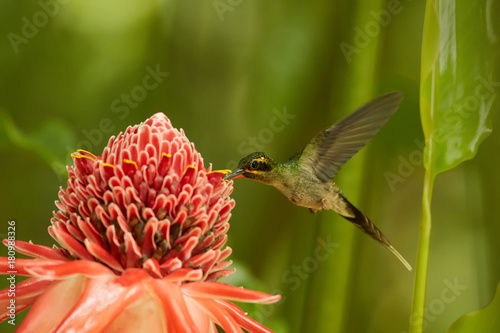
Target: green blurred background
266,76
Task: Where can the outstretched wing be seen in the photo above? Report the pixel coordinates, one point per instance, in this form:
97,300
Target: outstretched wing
330,149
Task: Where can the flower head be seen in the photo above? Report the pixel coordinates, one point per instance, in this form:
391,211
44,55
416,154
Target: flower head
142,229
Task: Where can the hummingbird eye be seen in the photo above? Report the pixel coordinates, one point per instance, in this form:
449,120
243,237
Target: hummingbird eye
255,164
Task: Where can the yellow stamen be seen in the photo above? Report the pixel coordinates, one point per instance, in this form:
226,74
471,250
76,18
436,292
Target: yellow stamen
75,155
224,171
190,166
107,165
130,162
87,152
165,154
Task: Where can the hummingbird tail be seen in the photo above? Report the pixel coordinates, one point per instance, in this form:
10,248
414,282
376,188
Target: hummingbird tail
368,227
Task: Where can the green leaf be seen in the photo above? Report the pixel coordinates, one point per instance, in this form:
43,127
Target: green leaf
457,96
458,90
51,141
485,320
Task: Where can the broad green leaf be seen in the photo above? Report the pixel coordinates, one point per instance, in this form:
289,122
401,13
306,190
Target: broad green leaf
458,90
52,141
485,320
457,95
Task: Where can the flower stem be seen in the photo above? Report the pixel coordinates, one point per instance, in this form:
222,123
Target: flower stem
417,313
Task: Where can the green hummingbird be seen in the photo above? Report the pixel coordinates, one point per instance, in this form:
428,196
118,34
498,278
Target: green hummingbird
306,178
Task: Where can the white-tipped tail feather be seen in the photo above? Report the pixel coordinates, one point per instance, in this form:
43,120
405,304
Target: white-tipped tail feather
399,256
367,226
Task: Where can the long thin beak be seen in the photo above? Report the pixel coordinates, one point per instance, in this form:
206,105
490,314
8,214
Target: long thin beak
235,174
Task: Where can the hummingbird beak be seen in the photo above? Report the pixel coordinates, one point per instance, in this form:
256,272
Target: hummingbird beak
238,173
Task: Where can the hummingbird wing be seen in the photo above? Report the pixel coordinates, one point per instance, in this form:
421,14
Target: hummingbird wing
330,149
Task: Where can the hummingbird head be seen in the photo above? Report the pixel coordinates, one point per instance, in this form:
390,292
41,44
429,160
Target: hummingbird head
256,166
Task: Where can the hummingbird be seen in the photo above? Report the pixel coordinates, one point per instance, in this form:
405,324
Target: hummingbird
306,178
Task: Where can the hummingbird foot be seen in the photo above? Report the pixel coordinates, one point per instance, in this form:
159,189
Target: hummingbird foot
312,210
323,204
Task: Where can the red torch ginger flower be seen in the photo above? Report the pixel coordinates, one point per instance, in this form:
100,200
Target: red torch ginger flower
142,229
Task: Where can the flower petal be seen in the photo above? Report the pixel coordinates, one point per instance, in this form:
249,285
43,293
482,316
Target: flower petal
144,315
152,266
226,291
69,269
242,319
184,274
89,230
149,246
176,312
101,254
202,258
70,243
170,265
20,306
52,306
132,250
105,297
27,288
22,265
37,251
219,315
24,294
217,275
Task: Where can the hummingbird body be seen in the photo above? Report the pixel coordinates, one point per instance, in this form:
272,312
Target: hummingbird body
306,179
297,182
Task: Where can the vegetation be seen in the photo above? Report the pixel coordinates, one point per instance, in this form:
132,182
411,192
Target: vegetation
241,76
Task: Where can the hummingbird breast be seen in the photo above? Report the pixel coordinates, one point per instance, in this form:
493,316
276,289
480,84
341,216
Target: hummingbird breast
303,188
